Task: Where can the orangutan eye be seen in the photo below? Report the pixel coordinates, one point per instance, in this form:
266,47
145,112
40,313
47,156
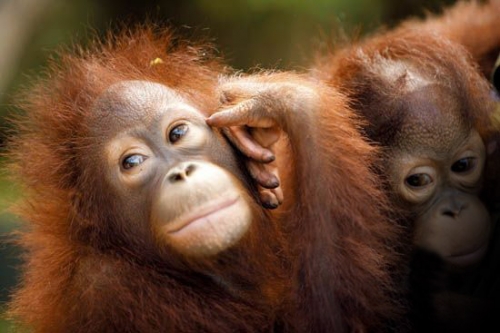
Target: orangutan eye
177,133
132,161
418,180
463,165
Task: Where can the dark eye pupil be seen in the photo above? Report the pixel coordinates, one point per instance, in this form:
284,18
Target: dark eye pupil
462,165
418,180
133,161
177,132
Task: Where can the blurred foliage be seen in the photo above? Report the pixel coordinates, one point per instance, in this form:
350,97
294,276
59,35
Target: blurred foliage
248,33
5,326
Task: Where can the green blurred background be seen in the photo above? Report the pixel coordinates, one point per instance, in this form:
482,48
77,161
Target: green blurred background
248,33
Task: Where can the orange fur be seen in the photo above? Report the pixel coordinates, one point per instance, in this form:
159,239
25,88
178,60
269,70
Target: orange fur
375,74
473,24
77,276
322,263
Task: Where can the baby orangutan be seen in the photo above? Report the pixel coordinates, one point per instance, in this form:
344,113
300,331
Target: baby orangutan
143,218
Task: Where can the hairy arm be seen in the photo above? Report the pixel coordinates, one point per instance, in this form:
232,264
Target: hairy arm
338,228
256,110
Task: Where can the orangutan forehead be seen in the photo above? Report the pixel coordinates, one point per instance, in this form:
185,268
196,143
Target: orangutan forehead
433,120
429,112
439,139
134,100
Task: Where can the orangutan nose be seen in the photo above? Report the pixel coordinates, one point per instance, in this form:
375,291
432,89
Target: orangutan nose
180,172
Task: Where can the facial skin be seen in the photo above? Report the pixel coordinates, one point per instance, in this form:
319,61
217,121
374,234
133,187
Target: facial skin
169,169
436,171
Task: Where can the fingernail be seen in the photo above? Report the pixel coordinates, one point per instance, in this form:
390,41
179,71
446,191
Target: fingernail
270,204
274,183
271,183
269,157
